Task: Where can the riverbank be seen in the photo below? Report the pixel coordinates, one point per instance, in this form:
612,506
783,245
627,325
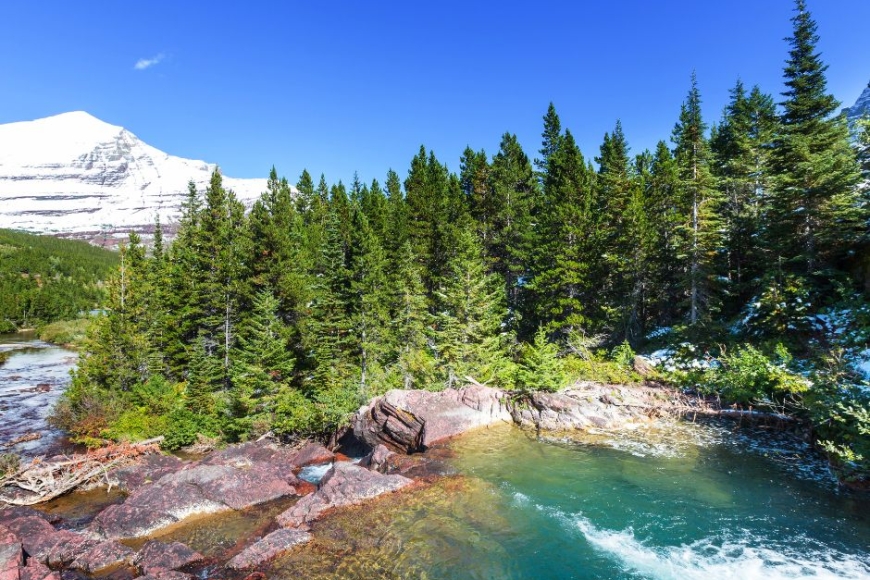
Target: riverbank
212,511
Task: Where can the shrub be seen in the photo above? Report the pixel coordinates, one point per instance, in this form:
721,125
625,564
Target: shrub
600,371
295,414
182,427
540,368
622,354
748,376
66,332
7,326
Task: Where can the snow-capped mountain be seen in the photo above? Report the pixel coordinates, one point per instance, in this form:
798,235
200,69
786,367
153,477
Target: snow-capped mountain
860,108
74,174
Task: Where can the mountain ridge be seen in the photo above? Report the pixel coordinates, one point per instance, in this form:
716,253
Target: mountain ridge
75,175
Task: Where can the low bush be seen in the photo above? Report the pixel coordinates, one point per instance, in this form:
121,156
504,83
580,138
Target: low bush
65,332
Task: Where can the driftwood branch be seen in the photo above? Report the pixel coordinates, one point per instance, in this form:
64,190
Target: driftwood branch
42,481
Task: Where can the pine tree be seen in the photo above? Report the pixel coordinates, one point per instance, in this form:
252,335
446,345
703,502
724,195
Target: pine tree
741,148
411,323
567,250
369,300
816,213
699,207
516,194
469,337
263,366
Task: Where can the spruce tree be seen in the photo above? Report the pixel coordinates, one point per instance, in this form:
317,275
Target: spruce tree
470,341
700,227
741,148
816,212
411,323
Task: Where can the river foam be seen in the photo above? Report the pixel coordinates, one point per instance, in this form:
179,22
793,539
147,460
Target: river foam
748,557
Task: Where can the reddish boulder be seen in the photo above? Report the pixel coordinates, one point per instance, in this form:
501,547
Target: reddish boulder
410,421
151,508
147,469
36,570
11,555
155,557
37,535
103,556
278,457
67,547
312,454
247,487
267,548
344,484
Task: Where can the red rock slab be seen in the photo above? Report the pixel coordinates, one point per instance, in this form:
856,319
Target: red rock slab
102,556
344,484
157,556
267,548
312,454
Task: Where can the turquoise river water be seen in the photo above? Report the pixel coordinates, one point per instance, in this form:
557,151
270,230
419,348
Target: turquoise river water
683,503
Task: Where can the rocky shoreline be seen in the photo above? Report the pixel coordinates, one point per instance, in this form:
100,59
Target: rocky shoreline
165,491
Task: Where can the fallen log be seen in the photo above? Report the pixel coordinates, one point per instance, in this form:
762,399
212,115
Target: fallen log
41,481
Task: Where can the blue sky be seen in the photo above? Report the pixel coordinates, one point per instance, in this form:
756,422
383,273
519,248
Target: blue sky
344,86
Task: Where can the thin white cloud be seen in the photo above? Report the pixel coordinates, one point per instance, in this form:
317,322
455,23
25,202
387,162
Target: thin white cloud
144,63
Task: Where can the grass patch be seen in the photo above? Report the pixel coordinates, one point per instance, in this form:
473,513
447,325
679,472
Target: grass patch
69,333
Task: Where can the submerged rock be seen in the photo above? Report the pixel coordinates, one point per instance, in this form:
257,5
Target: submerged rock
269,547
410,421
344,484
156,557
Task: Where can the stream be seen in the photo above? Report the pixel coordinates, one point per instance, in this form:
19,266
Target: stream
32,378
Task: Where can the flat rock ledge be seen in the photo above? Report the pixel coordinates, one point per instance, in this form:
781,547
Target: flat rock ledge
235,478
343,485
589,405
31,548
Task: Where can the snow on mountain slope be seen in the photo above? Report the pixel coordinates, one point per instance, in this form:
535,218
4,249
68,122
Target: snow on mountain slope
861,106
75,174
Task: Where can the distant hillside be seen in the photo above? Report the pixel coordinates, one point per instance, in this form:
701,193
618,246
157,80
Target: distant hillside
43,279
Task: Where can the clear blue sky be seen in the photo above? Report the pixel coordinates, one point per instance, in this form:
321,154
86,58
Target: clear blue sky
344,86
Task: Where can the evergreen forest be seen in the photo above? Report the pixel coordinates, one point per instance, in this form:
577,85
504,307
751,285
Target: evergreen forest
45,279
737,248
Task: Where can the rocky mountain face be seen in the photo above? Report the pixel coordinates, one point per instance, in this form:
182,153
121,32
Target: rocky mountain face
861,106
77,176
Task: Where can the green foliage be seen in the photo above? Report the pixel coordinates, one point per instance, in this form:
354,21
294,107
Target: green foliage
182,427
66,332
296,415
749,377
623,354
540,367
600,371
7,326
44,279
781,308
9,464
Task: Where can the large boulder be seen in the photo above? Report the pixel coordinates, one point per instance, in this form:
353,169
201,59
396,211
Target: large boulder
344,484
267,548
312,454
410,421
151,508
